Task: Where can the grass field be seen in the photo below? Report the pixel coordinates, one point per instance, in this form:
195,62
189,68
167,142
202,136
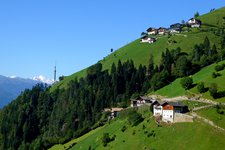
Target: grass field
211,114
185,136
140,52
204,75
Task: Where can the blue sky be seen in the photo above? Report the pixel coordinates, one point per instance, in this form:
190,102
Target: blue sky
74,34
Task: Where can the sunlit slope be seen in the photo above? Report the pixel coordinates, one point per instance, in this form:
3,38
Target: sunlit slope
204,75
140,52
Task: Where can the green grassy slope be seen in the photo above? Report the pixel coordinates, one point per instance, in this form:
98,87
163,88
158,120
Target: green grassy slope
186,136
214,18
140,52
204,75
211,114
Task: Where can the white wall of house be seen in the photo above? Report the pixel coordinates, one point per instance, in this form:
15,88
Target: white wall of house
167,115
152,33
161,33
148,40
157,110
195,25
191,21
174,31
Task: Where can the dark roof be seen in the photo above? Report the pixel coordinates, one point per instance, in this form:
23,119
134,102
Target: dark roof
162,28
177,104
176,25
150,29
197,20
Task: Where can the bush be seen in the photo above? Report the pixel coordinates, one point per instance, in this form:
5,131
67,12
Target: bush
134,132
186,83
220,109
219,67
214,74
201,87
213,90
123,128
105,139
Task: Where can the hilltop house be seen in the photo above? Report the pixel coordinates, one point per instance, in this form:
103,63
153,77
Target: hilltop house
147,39
141,100
168,109
194,23
161,31
175,28
157,108
114,111
151,31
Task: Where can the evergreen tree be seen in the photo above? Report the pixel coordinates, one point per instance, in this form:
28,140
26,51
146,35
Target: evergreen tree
151,66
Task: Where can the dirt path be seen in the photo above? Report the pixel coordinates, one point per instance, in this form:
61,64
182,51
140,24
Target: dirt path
206,121
202,107
196,98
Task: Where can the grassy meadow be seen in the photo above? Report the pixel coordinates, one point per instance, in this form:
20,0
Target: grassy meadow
204,75
148,135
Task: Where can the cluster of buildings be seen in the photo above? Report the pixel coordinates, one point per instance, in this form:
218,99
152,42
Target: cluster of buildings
168,112
165,110
174,28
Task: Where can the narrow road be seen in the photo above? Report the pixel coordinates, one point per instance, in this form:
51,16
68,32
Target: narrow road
195,98
206,121
202,107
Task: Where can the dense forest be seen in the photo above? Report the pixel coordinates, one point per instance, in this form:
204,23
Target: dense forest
38,118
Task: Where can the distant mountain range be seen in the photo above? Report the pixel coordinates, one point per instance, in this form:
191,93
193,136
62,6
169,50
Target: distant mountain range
11,87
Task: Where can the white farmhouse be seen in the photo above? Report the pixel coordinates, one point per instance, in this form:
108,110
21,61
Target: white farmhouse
152,31
168,110
161,31
147,39
194,23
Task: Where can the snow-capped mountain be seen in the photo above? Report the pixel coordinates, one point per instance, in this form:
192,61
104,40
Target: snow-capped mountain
43,79
11,87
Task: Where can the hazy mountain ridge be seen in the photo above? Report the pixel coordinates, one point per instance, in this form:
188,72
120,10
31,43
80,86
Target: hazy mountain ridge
11,87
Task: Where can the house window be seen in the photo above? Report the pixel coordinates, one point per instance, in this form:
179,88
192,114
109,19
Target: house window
170,116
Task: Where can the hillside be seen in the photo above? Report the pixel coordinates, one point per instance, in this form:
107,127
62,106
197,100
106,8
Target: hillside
43,116
140,52
204,75
147,135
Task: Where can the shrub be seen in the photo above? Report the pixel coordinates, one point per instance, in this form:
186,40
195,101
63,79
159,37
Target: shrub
201,87
215,74
220,109
151,134
123,128
134,132
213,90
186,83
143,127
219,67
105,139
